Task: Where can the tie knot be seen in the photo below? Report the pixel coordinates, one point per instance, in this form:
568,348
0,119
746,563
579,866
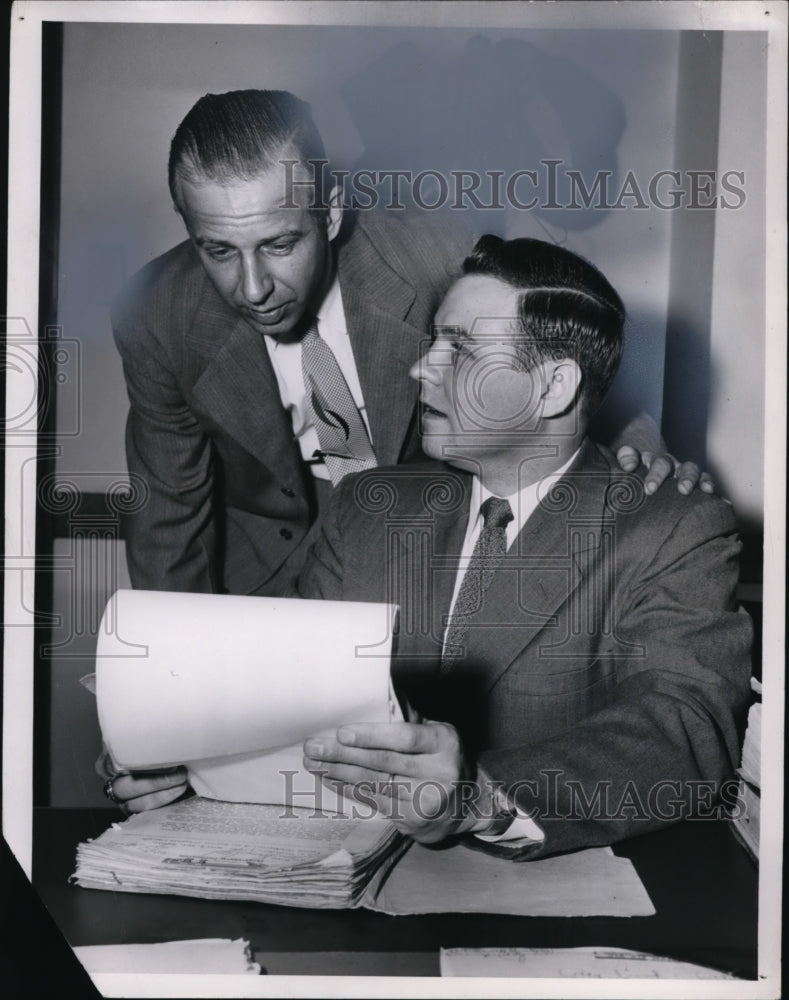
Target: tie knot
312,331
496,512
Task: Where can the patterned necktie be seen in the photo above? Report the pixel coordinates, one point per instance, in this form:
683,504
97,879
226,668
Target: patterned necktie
342,434
488,553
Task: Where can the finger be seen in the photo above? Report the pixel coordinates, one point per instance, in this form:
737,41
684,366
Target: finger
348,774
155,800
707,483
660,469
687,474
439,759
628,457
403,737
131,786
379,763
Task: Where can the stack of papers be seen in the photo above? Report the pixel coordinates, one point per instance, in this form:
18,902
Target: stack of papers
212,956
224,850
276,854
745,821
751,767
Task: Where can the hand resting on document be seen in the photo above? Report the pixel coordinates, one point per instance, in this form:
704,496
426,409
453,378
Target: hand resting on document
137,792
415,773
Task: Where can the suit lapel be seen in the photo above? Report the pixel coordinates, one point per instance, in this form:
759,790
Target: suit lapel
428,556
376,301
239,389
549,560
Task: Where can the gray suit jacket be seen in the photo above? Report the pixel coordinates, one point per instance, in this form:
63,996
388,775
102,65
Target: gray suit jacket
606,675
228,504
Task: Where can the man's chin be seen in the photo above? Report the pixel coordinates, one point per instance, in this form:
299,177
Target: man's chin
283,325
442,449
433,447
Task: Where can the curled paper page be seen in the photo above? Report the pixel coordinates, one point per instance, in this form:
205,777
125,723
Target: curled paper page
231,686
270,776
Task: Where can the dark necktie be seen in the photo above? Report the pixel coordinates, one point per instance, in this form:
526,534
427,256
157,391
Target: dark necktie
488,553
342,434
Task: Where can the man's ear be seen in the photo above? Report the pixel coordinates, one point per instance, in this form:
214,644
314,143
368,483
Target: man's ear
334,215
561,387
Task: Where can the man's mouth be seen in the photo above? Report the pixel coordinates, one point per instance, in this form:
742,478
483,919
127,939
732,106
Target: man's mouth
431,410
268,316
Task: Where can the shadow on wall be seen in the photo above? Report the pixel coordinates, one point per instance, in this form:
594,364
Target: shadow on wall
498,108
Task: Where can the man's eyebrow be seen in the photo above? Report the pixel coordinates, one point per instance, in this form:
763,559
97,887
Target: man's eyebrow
447,330
204,241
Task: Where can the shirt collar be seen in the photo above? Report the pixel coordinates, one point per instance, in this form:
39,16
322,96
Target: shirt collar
331,312
524,501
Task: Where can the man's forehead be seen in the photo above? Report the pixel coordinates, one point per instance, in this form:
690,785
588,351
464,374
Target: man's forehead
269,190
480,307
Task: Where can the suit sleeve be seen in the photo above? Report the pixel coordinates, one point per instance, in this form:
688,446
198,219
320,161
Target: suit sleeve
665,744
171,539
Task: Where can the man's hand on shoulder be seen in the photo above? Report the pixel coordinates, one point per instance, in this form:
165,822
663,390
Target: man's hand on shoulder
662,467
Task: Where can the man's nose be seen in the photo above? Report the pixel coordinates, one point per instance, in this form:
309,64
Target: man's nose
256,282
431,365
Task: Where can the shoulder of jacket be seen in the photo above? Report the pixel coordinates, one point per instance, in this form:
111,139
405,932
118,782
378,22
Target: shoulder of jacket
667,510
162,284
402,236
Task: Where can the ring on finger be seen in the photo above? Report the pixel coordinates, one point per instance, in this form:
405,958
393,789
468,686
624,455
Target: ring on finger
110,792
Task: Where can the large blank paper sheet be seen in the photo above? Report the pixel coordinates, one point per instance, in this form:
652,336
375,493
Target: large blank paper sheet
458,879
232,686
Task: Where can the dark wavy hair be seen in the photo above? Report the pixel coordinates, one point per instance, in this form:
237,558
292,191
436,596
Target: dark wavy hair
567,309
242,133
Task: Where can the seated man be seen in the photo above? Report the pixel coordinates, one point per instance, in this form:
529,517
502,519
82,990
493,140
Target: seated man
138,792
571,653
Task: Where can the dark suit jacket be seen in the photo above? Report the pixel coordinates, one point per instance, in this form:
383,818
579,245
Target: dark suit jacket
228,504
608,658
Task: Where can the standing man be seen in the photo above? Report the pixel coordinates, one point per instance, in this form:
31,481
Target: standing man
574,650
268,354
214,334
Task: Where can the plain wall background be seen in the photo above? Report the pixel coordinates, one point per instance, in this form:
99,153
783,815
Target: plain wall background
379,90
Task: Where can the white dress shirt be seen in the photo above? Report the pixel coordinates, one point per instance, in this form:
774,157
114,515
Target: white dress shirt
523,503
286,362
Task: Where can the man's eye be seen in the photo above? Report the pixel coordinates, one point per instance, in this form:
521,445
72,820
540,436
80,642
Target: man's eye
219,253
281,249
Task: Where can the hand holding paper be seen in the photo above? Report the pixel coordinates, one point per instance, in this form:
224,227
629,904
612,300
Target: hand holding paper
417,774
147,790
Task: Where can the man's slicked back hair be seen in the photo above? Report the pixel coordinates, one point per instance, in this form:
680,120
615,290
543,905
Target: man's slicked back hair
567,309
242,133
